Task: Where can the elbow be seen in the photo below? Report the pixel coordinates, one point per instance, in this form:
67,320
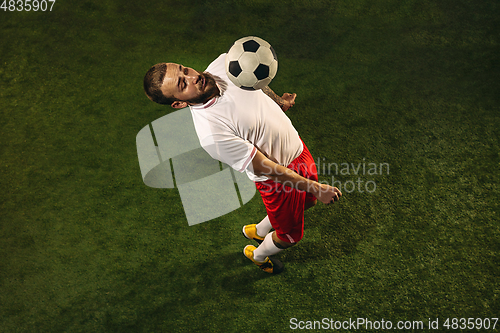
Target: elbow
260,167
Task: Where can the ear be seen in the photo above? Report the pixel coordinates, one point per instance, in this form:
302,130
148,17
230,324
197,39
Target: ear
179,104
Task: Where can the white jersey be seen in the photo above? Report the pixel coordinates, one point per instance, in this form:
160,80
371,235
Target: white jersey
233,126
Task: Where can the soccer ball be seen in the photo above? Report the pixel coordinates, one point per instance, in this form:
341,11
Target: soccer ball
251,63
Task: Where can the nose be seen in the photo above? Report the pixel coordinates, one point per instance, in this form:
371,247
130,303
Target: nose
192,75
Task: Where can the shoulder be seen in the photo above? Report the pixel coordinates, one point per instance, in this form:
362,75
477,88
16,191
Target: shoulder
218,64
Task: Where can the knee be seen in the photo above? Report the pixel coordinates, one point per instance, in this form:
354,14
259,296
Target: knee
281,244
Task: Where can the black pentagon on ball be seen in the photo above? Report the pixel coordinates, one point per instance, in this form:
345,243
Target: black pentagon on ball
261,72
247,88
251,46
234,68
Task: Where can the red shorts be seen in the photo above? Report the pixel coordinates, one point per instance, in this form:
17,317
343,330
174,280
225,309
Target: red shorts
285,205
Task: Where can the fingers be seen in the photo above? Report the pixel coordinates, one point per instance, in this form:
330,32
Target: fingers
289,97
289,101
334,198
335,195
327,194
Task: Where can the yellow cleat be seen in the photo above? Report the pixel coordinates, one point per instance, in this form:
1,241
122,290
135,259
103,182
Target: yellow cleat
270,265
250,232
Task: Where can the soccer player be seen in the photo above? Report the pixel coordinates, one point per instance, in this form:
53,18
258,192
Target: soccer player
249,131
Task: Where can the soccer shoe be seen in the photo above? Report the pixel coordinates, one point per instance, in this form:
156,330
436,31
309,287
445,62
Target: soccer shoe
270,265
250,232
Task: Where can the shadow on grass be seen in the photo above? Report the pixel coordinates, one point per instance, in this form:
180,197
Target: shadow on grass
318,250
230,273
177,292
331,239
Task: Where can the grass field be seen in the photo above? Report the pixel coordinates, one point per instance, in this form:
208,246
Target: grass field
85,246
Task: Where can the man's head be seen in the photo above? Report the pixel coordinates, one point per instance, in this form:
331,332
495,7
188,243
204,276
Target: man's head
178,86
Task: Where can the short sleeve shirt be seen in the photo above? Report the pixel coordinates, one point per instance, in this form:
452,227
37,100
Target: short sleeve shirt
232,127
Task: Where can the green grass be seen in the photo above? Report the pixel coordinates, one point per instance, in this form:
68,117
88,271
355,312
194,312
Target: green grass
85,246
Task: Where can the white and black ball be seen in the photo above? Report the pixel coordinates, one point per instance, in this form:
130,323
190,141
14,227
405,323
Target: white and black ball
251,63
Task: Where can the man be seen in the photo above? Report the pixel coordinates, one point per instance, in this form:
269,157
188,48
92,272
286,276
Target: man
249,131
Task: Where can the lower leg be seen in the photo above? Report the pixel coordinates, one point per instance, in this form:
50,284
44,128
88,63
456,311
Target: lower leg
263,227
270,246
266,248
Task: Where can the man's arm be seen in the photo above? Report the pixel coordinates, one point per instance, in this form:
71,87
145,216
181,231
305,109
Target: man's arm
262,166
285,102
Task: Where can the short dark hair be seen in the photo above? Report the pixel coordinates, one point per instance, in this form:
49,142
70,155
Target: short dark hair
153,81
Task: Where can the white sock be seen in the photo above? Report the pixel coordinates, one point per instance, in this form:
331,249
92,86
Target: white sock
264,226
266,249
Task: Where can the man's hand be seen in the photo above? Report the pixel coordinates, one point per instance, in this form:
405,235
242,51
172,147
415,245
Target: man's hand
327,194
285,102
288,101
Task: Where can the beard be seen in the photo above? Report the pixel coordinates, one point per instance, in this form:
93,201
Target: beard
214,86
